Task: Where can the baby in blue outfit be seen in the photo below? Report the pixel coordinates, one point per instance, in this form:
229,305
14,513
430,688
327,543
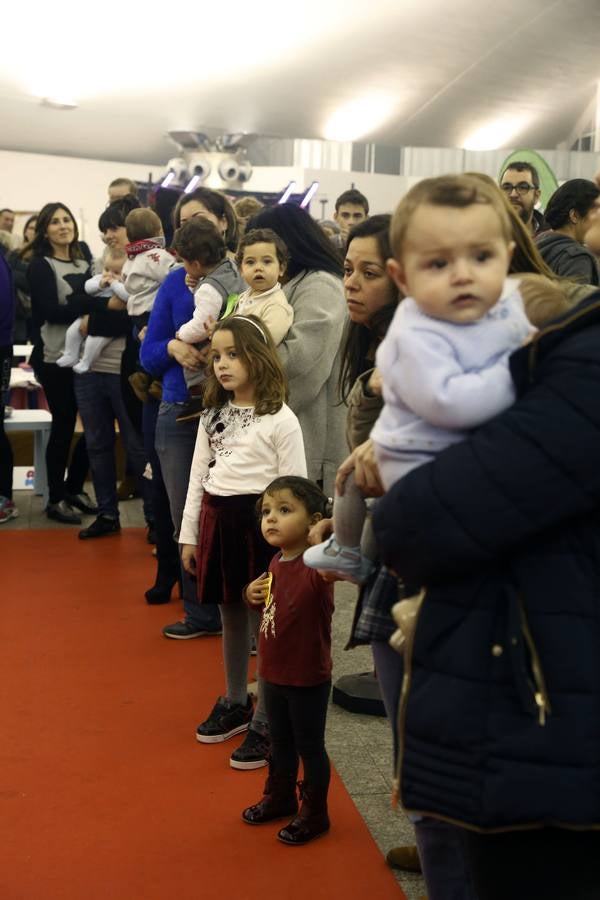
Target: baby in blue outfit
444,359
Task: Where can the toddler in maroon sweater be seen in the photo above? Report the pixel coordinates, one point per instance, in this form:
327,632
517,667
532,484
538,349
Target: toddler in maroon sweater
295,662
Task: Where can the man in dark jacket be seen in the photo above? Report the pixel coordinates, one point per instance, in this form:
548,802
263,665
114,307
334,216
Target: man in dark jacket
521,184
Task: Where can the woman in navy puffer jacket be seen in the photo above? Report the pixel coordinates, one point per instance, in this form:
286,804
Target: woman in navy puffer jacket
500,715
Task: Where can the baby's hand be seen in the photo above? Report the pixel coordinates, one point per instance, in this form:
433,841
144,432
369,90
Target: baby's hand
375,382
258,590
106,279
191,282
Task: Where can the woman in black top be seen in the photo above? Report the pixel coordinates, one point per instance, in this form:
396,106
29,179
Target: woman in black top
57,274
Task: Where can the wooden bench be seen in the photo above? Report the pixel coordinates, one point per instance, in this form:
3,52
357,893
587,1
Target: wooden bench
39,422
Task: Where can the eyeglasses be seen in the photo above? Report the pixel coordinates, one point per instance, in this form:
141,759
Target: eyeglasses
523,187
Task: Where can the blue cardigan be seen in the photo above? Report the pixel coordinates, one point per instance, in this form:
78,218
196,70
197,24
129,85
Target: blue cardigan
173,305
500,717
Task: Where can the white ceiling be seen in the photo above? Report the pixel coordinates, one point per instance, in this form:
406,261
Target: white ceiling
432,70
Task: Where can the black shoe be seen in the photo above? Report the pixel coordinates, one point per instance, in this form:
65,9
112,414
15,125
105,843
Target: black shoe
160,592
253,753
225,720
151,534
83,502
62,512
183,631
193,409
100,527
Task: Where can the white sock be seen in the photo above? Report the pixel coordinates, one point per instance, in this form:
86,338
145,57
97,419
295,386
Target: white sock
81,367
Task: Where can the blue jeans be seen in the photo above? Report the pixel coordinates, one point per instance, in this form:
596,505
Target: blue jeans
100,402
174,443
443,849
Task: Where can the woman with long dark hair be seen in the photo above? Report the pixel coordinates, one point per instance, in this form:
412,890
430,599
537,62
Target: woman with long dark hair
310,352
56,276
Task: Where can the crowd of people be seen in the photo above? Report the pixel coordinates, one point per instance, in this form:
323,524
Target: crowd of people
404,365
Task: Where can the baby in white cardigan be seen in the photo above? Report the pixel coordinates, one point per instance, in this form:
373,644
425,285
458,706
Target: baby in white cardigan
444,361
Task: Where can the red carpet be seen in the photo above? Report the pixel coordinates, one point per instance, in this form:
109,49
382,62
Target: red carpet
104,792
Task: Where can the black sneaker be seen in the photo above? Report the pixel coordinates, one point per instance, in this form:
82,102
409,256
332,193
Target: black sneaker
184,630
225,720
253,753
83,502
100,527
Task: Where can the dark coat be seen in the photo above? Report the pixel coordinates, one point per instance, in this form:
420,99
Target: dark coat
568,258
500,720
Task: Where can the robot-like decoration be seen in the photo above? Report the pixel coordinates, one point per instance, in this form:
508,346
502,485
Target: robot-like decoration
220,163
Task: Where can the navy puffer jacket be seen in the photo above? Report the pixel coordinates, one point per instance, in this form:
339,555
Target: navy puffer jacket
500,719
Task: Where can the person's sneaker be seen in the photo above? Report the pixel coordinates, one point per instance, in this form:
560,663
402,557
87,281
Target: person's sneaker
253,753
193,409
346,562
8,510
63,512
184,630
100,527
82,502
225,720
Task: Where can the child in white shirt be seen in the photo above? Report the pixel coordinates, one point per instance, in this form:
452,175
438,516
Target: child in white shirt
262,257
444,360
106,285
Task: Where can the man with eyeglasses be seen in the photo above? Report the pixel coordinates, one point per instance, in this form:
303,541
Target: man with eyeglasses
521,184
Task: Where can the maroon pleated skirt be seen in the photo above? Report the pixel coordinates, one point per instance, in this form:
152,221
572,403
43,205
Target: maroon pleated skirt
231,550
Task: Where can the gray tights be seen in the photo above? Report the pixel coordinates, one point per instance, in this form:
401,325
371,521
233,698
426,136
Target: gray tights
238,623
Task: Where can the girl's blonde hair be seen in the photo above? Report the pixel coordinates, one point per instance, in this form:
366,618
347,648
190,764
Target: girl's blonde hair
255,347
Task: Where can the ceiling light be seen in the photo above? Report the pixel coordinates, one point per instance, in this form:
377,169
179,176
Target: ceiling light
287,193
309,194
495,134
359,117
59,102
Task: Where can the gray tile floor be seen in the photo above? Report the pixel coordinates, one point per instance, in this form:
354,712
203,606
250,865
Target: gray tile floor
360,746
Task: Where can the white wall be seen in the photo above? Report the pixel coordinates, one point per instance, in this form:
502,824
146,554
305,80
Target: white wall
29,180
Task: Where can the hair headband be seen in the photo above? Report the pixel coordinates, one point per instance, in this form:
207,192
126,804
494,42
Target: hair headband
256,325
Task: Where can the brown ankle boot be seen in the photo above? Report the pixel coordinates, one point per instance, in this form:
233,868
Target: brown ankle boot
312,819
279,800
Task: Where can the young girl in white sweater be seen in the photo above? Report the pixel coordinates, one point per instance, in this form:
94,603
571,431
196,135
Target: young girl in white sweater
247,437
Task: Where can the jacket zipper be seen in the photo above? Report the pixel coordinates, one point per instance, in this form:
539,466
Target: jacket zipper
540,692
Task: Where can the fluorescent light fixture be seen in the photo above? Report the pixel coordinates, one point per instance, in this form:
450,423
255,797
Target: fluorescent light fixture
359,117
167,179
287,193
192,184
59,102
309,194
495,134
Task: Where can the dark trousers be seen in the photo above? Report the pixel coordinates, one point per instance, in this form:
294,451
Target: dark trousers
60,394
6,457
101,402
549,863
297,723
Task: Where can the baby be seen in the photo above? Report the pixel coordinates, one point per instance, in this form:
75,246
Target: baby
262,258
147,266
107,285
444,360
220,289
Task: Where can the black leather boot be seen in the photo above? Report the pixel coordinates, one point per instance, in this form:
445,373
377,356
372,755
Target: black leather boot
279,800
166,578
312,819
